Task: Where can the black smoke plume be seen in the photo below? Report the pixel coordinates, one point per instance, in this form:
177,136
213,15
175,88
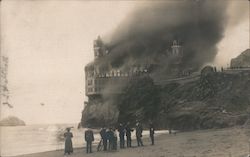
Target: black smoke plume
146,35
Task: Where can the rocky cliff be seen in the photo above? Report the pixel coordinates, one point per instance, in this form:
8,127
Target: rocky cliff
99,112
243,60
216,100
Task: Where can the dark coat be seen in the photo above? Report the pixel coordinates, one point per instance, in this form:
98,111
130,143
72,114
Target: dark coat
139,130
151,129
110,135
68,142
89,135
103,134
128,131
121,131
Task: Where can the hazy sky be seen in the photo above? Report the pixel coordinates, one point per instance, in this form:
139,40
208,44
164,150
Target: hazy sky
49,43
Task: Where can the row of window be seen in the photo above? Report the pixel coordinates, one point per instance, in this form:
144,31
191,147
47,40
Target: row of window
102,81
94,89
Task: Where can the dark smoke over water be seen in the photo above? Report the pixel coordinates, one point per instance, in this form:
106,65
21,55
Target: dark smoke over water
149,31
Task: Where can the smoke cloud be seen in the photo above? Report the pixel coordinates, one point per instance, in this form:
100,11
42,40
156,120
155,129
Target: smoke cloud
148,32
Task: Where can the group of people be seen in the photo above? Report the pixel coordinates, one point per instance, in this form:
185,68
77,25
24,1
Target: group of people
109,137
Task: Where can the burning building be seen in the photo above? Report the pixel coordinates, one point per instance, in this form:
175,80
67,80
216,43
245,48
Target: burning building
99,76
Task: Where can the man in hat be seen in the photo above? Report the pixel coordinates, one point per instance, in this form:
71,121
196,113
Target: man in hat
121,131
89,138
151,132
128,134
139,133
103,134
110,138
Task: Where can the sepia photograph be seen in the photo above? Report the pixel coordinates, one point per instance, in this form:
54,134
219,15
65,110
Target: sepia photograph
125,78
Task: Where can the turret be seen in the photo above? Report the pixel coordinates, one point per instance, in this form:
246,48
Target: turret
99,48
176,49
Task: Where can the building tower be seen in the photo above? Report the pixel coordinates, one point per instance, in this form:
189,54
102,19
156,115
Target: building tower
176,49
98,48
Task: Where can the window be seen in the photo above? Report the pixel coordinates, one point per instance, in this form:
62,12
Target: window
90,82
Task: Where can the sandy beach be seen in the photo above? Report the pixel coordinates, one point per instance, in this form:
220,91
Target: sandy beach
231,142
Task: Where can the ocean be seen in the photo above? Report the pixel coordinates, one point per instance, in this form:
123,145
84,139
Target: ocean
29,139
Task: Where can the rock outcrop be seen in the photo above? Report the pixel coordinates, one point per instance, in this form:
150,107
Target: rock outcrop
216,100
99,112
12,121
241,61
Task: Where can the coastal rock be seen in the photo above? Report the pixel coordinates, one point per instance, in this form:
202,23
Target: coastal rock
243,60
12,121
216,100
99,113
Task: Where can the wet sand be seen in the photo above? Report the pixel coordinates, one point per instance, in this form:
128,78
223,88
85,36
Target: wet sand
232,142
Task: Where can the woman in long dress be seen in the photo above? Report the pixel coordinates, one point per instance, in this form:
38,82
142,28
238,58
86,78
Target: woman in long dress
68,142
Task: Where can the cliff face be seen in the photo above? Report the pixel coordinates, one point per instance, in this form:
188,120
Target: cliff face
243,60
11,121
99,112
216,100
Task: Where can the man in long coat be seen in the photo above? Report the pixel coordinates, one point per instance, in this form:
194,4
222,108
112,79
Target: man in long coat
128,134
110,138
139,134
103,134
151,132
89,138
121,131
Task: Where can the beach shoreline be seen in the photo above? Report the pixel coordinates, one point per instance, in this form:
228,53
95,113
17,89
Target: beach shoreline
211,143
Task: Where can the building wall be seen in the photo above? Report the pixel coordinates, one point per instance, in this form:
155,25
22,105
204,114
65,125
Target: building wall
109,83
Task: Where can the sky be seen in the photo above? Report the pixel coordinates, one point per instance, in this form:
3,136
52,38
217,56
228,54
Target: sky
49,43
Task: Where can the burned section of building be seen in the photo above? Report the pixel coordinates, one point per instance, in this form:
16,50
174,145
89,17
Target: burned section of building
100,74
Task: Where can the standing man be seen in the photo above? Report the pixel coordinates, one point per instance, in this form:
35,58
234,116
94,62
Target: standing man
128,134
139,134
103,134
121,131
115,140
110,138
89,138
151,132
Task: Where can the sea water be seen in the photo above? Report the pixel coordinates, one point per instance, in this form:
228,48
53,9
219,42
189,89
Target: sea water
29,139
37,138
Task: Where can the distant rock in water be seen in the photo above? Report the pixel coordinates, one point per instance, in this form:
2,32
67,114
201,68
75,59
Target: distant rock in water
12,121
